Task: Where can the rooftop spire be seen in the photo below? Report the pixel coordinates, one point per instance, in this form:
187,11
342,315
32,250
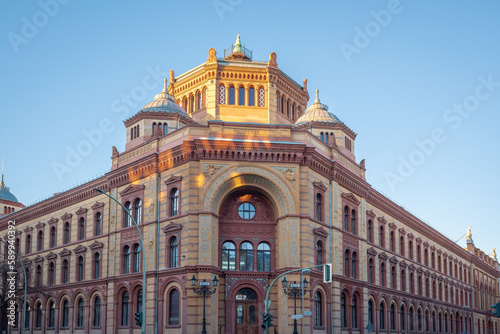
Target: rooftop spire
164,85
2,184
317,96
237,45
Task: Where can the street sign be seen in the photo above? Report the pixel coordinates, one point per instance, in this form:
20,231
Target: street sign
297,316
295,285
204,283
307,313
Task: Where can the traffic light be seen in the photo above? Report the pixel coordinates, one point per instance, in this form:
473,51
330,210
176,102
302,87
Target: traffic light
138,318
269,320
327,273
265,320
497,309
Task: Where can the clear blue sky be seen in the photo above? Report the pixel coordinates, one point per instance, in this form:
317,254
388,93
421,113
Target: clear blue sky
392,71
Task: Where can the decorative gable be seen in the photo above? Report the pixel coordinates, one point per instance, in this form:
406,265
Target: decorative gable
383,256
320,232
382,220
172,228
39,225
81,211
173,179
370,213
66,216
65,252
97,205
394,260
51,256
38,259
96,245
351,198
371,251
131,189
80,249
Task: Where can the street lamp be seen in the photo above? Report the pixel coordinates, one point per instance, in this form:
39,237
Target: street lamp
295,290
204,290
144,294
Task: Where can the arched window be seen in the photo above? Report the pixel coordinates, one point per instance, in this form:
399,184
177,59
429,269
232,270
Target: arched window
370,311
293,112
241,96
97,265
288,108
52,273
246,257
138,210
319,206
125,313
251,96
228,256
393,277
80,313
154,128
427,288
27,319
426,320
198,100
370,231
173,252
81,229
382,316
191,103
222,94
346,263
353,221
346,218
97,312
426,257
263,257
343,315
52,314
318,312
354,265
319,254
232,95
126,259
321,136
403,280
80,268
419,259
137,259
402,319
65,314
393,246
402,246
174,202
128,209
185,103
354,312
66,233
381,237
282,104
370,271
53,237
39,276
382,274
28,244
38,309
410,249
326,137
419,320
262,97
40,241
173,310
65,273
411,320
393,318
412,283
204,98
98,224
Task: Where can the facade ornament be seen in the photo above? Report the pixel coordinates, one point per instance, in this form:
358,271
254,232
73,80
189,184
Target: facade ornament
468,236
289,174
115,153
212,56
494,254
272,60
210,170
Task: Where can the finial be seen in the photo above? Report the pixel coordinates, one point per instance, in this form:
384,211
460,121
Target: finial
237,45
468,235
164,85
317,96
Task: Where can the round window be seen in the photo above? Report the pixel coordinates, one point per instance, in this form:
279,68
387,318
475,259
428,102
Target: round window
246,210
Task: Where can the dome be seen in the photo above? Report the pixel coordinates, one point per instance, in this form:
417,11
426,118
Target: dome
5,193
317,112
164,102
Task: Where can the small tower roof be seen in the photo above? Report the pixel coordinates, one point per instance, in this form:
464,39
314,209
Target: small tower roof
317,112
5,193
238,51
164,102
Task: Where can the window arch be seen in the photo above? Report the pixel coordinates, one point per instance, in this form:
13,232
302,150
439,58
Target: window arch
382,316
66,233
138,210
381,236
371,271
263,257
321,136
198,100
251,96
125,310
126,259
174,202
319,253
403,280
370,231
80,269
371,319
354,311
98,224
318,309
65,271
65,314
232,97
346,218
96,319
97,265
319,206
28,244
52,273
52,314
40,241
53,237
137,258
38,318
173,307
241,96
80,314
173,252
246,256
127,220
402,246
81,228
228,256
39,276
393,277
410,249
185,103
393,317
347,256
393,242
382,274
191,103
354,265
343,314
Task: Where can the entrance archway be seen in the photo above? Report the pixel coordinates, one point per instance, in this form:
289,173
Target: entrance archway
246,312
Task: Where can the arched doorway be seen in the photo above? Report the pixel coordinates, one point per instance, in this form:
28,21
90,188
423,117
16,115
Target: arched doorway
246,312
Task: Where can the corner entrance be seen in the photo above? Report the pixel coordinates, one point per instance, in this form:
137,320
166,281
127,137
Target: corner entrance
246,312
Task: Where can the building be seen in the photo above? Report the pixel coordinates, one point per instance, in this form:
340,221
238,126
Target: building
231,176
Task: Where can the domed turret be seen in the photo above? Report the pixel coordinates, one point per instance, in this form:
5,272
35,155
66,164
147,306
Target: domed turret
8,202
5,193
317,112
164,102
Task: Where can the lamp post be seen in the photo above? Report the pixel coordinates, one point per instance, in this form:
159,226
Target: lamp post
204,290
144,294
294,290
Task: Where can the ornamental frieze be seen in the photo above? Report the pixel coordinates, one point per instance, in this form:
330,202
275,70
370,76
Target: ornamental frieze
211,169
350,241
263,230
